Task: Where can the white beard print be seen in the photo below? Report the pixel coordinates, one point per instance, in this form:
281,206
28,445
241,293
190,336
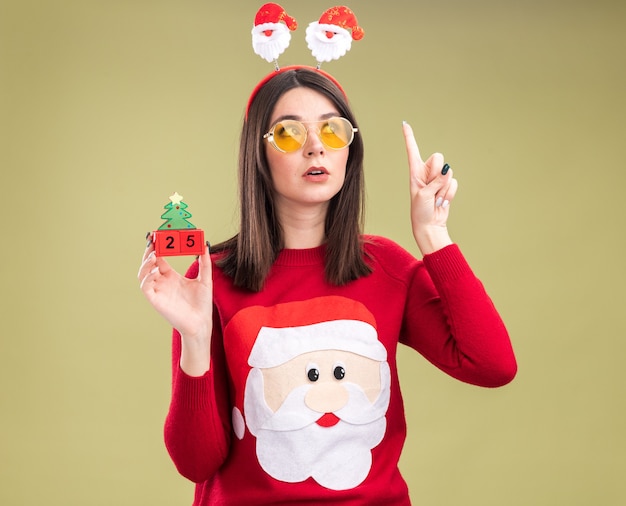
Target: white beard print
326,49
272,46
291,447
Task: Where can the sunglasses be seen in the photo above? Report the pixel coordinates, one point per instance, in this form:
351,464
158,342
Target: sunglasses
288,136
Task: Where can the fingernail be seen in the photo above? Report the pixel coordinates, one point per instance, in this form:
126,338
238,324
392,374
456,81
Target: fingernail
439,202
445,169
445,204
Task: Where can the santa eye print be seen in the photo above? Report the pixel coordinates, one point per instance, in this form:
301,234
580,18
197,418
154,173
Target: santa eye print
339,371
313,372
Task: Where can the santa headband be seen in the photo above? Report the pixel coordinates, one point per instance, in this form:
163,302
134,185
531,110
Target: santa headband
329,39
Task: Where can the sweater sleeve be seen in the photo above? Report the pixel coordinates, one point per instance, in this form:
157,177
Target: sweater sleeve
197,428
453,323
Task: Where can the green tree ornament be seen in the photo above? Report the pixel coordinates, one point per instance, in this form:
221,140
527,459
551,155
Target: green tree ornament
176,214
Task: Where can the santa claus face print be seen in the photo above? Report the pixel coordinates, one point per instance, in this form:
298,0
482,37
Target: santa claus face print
320,430
314,174
317,395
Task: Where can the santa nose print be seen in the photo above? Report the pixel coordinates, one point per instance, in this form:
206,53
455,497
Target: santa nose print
326,394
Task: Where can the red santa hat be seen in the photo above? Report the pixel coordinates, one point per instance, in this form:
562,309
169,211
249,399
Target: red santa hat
262,337
331,36
271,32
341,17
273,13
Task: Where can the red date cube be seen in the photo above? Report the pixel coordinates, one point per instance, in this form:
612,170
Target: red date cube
178,242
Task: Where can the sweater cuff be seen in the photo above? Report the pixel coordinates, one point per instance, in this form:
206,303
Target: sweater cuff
193,392
447,264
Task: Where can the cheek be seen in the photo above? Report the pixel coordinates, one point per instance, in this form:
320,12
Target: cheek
279,165
281,177
280,381
343,165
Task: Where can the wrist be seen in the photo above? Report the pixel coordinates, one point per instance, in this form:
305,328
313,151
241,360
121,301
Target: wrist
432,238
195,356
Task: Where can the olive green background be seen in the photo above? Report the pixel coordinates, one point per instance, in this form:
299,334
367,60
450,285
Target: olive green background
109,106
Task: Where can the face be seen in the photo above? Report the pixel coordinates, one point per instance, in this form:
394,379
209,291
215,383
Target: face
314,174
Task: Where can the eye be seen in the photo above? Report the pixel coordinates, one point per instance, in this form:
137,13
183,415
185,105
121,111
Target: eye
312,372
339,372
281,131
327,128
289,129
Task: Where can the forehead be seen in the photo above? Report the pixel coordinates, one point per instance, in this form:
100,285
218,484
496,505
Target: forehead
303,104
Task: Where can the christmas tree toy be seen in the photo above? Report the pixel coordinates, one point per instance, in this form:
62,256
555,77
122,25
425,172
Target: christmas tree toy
177,236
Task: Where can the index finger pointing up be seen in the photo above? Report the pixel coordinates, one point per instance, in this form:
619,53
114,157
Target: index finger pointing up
416,165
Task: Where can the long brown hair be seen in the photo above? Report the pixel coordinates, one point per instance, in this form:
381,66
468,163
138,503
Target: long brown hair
249,255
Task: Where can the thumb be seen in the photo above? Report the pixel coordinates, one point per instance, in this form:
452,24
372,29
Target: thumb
438,174
205,271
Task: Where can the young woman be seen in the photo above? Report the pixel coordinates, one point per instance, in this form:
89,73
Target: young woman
285,387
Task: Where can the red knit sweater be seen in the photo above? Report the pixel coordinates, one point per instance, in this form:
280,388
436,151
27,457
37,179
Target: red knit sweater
300,334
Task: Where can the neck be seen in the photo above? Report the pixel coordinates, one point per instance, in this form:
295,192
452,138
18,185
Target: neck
303,228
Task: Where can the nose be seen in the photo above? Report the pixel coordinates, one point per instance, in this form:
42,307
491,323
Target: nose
326,397
313,145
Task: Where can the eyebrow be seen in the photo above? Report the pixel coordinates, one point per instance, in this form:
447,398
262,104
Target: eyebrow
299,118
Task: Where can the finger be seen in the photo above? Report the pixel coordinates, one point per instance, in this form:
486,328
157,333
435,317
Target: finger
147,264
153,266
149,245
454,185
446,194
416,165
148,272
205,270
449,196
149,280
412,148
164,267
434,182
433,165
147,254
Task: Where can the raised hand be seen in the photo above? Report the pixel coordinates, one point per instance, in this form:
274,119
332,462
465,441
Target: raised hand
432,189
187,304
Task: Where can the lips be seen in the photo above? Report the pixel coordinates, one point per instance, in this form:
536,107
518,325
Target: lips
316,171
328,420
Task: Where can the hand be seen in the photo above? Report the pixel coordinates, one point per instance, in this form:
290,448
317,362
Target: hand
431,195
187,304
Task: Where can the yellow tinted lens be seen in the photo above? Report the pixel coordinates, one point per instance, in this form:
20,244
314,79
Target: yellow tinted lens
289,135
336,133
